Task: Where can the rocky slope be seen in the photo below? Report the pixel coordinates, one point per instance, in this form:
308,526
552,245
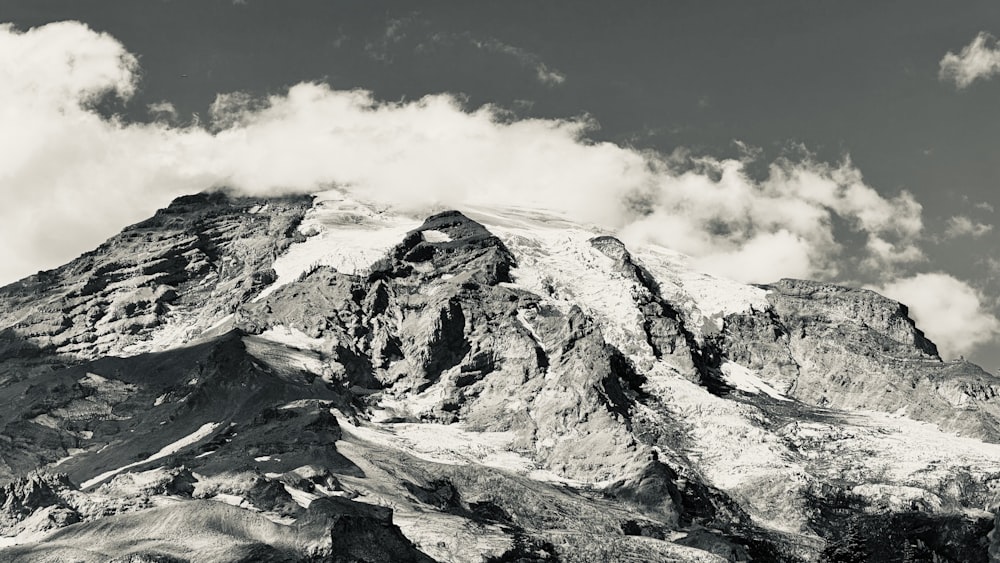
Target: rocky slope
204,249
854,349
322,380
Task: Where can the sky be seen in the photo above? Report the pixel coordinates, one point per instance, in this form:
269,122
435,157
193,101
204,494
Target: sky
852,142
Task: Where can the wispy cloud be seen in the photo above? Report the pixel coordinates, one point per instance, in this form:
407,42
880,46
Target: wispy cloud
413,32
962,226
545,74
977,60
396,31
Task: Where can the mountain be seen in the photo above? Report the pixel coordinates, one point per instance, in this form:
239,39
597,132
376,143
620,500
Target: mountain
324,379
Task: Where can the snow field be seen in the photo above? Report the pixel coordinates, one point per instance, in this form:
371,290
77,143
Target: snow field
344,234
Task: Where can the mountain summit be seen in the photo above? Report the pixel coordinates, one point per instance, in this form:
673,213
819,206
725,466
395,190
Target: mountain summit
320,379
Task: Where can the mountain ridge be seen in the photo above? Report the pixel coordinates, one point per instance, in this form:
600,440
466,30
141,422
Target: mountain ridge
497,370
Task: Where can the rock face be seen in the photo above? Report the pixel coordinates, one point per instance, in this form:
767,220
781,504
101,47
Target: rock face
203,249
41,496
217,384
661,322
854,349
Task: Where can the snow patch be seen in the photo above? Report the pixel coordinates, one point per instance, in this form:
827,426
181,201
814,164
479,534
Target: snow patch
414,404
233,500
433,236
293,337
448,444
220,322
448,537
714,295
522,318
170,449
453,444
346,234
304,403
92,380
73,452
300,497
747,381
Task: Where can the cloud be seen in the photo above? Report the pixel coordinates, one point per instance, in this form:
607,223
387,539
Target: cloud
546,75
62,64
948,310
434,152
977,60
413,32
71,178
380,48
68,177
781,226
162,110
962,226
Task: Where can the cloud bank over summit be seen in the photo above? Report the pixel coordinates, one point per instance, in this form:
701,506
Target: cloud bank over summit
71,177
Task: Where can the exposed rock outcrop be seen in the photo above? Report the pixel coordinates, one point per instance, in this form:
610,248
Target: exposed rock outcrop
207,249
848,348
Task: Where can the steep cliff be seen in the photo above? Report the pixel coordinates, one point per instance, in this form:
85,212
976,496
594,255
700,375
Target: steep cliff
854,349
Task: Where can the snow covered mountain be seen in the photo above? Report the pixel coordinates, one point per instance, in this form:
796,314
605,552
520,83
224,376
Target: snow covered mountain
320,379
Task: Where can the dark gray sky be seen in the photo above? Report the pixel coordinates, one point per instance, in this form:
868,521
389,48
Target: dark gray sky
847,78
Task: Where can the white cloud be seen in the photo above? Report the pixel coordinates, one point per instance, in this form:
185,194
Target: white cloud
947,309
763,257
962,226
977,60
70,178
162,110
62,64
885,257
782,226
548,76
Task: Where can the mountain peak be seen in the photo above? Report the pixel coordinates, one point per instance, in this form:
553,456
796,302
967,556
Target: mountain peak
513,385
